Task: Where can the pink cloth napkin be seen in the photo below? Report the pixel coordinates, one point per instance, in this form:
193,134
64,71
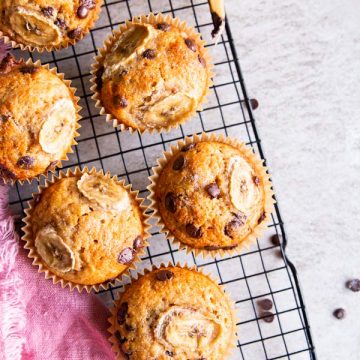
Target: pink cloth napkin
39,320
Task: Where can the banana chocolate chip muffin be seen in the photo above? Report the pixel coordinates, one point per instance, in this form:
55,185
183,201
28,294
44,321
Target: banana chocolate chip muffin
173,313
47,24
38,119
212,194
86,228
154,73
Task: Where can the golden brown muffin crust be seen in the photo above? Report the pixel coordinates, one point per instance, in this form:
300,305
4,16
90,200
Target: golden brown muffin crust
37,119
47,23
174,313
153,76
99,222
209,196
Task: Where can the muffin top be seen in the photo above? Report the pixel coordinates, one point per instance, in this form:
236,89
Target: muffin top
38,120
154,75
47,23
87,228
210,195
174,313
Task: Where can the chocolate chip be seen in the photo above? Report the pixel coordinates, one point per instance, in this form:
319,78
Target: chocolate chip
179,163
256,180
202,61
164,275
339,313
138,242
190,44
213,190
170,202
99,81
48,11
262,217
265,304
28,69
60,24
129,328
163,27
5,173
122,313
193,231
126,256
267,316
90,4
276,239
75,33
82,12
237,221
120,101
4,117
254,104
188,147
52,166
119,338
169,353
214,247
25,162
149,54
353,285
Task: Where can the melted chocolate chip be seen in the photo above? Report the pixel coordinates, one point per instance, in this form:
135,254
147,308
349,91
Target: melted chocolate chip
120,101
276,239
193,231
75,33
126,256
99,81
339,313
214,247
90,4
129,328
190,44
61,24
163,27
202,61
25,162
5,173
179,163
118,337
82,12
213,190
267,316
169,353
188,147
138,242
28,69
237,221
170,202
164,275
262,217
256,180
122,313
353,285
149,54
265,304
48,11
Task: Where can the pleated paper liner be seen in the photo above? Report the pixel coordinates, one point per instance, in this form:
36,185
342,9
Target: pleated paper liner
115,345
30,239
75,99
63,45
261,172
107,46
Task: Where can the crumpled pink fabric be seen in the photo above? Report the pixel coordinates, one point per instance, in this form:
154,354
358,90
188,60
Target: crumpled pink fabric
39,320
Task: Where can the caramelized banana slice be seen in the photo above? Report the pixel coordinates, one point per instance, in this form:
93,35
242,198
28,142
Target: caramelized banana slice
53,250
244,193
169,109
105,192
57,131
34,27
185,328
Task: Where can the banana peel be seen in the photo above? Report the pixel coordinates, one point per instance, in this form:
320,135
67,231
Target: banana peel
217,9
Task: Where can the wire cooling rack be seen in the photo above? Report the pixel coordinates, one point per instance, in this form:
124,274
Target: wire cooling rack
263,271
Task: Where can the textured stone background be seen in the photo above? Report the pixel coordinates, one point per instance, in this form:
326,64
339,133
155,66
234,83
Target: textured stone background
301,60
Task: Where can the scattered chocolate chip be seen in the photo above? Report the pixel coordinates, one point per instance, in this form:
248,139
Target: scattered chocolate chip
276,239
237,221
82,12
61,24
120,101
99,75
213,190
129,328
75,33
163,27
126,256
254,104
48,11
170,202
179,163
90,4
202,61
256,180
339,313
5,173
188,147
164,275
169,353
52,166
28,69
267,316
193,231
265,304
122,313
190,44
149,54
214,247
138,242
25,162
353,285
262,217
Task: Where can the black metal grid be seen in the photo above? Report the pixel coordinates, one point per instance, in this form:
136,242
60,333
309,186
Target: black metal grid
261,271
